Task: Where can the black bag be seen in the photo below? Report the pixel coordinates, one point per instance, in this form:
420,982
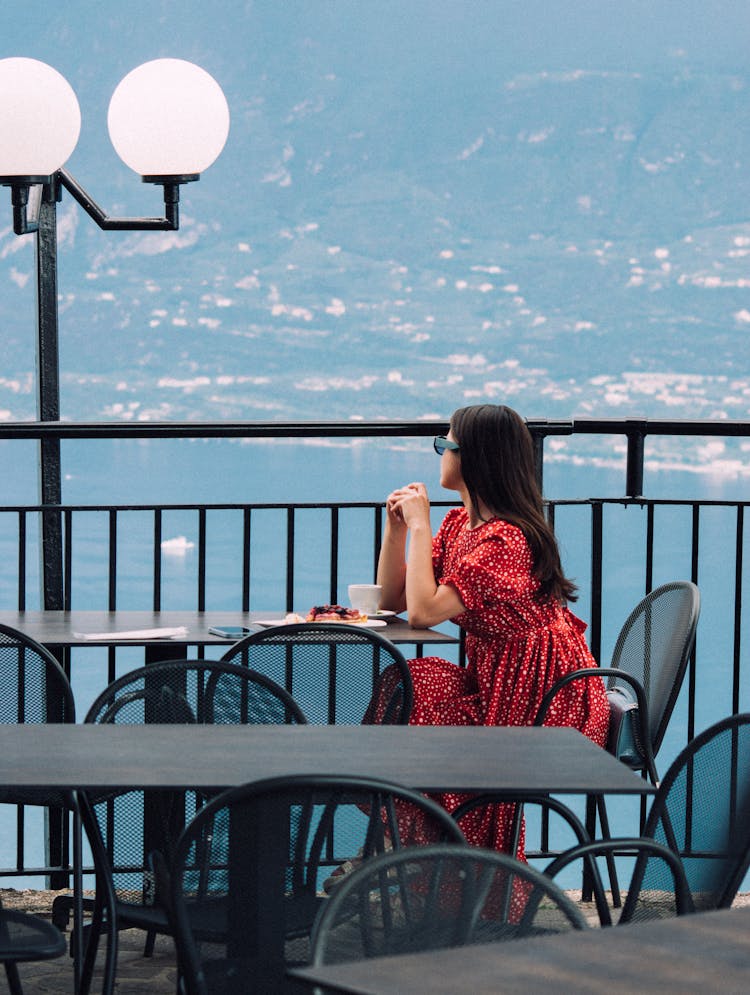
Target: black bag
624,740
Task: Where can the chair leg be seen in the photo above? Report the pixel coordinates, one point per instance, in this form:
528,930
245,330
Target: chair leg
14,981
61,912
515,836
515,833
595,805
91,946
610,857
148,947
77,938
104,915
110,963
587,886
94,931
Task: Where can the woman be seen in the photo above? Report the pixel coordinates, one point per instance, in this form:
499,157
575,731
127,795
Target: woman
494,569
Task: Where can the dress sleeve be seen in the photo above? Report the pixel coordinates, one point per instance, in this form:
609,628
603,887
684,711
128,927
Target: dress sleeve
496,570
441,540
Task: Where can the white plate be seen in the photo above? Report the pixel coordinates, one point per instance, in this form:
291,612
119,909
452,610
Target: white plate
371,623
383,613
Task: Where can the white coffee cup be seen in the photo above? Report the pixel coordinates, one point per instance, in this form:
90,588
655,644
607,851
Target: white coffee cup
365,597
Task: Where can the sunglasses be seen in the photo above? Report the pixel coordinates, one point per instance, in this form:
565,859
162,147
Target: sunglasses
440,444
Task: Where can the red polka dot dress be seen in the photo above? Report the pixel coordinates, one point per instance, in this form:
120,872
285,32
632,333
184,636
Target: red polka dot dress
516,649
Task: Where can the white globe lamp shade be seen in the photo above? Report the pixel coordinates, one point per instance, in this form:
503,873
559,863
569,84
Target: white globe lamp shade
168,117
40,119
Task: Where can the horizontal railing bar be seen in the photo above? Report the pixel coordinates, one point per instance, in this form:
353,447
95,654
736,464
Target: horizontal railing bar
640,502
227,506
359,429
44,869
207,430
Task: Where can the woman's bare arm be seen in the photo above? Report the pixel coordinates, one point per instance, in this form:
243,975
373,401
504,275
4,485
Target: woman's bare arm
392,561
427,602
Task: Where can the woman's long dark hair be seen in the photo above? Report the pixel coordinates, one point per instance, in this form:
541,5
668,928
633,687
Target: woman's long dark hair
497,466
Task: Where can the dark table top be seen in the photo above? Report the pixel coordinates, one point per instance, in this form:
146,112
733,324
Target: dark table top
709,952
59,628
524,760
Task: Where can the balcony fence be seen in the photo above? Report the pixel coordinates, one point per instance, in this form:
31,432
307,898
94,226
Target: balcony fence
269,556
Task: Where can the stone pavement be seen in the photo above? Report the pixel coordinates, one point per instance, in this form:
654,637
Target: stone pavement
136,974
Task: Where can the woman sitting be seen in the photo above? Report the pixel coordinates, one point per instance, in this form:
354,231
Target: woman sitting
494,569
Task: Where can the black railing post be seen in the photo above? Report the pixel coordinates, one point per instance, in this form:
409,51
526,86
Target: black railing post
539,458
692,666
597,555
246,561
636,434
156,601
201,559
333,565
737,637
290,560
112,571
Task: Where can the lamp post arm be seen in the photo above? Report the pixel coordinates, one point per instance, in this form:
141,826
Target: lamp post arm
170,222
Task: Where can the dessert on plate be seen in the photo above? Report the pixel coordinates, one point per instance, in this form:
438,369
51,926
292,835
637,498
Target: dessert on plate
335,613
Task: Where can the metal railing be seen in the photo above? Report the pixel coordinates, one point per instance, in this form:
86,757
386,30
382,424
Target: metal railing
617,548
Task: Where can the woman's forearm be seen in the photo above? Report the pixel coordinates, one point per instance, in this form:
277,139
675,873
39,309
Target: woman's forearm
413,585
427,601
392,570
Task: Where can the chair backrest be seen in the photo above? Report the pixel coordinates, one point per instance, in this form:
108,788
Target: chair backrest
34,688
666,892
654,646
24,938
209,692
330,669
133,824
438,896
33,685
702,811
290,832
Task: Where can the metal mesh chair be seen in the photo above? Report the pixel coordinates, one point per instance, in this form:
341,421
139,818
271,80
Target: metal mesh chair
555,816
248,872
645,899
35,689
438,896
701,813
136,824
649,661
330,669
24,938
646,672
653,648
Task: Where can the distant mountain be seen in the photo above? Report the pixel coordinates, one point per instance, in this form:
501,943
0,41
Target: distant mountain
420,205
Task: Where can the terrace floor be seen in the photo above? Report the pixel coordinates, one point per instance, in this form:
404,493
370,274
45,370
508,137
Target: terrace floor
136,974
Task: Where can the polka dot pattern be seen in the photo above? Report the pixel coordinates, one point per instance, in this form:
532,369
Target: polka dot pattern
516,650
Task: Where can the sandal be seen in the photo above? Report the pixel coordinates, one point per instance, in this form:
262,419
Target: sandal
331,883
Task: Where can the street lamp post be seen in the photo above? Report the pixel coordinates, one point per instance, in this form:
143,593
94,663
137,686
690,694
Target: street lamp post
168,121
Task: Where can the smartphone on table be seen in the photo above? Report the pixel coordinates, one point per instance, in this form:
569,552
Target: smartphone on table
231,631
